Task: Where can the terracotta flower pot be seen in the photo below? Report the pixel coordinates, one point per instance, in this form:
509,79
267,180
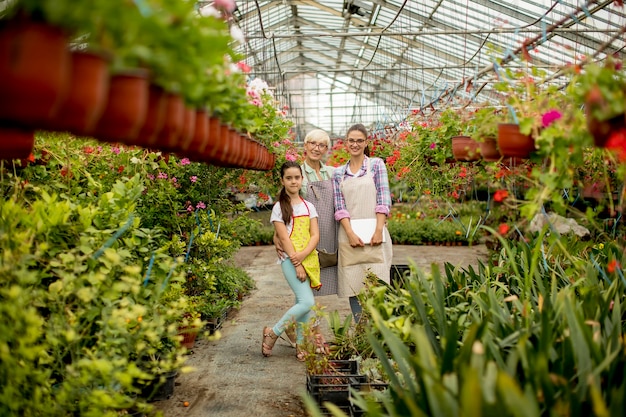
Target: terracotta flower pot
126,108
464,148
87,94
173,122
512,143
16,143
219,143
195,147
155,117
34,71
187,132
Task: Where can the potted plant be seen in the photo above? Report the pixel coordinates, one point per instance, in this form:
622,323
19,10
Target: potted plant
601,87
483,128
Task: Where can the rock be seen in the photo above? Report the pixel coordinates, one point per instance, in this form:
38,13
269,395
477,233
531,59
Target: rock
562,225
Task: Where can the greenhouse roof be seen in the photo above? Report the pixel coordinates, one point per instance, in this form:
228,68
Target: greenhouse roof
340,62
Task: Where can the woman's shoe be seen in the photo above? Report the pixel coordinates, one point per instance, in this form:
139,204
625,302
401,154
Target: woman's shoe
290,332
269,338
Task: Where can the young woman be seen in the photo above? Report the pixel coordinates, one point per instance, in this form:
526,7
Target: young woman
295,223
361,192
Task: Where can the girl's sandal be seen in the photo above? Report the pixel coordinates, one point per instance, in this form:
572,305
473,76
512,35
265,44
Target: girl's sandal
290,332
269,338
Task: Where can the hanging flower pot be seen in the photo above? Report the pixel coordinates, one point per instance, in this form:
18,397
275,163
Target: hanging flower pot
219,143
155,117
87,94
16,143
512,143
601,130
126,108
187,132
464,148
489,150
196,146
34,71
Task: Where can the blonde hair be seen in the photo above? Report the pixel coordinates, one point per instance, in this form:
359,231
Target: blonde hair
317,135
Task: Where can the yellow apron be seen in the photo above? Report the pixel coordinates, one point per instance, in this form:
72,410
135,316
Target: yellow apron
300,236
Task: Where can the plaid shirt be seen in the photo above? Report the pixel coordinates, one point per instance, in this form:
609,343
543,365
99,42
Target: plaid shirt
379,173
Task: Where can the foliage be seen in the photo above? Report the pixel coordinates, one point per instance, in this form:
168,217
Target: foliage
542,327
87,305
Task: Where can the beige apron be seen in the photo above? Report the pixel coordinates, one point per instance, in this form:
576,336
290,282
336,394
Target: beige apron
360,196
300,236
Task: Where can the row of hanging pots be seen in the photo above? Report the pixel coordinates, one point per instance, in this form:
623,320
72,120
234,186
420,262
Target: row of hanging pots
510,143
46,86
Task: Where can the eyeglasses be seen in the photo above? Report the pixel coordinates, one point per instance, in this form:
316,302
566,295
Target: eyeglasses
318,145
356,141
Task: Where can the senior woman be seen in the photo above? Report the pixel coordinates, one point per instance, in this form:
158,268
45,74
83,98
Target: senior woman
317,188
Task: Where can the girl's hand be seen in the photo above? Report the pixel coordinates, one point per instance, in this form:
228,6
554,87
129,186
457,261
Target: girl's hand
297,258
301,273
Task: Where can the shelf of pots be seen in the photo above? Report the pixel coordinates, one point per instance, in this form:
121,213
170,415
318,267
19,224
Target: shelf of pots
140,89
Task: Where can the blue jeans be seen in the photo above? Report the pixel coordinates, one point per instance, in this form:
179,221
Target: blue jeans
301,310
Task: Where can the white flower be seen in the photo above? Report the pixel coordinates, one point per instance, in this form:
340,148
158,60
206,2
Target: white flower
237,34
208,11
135,160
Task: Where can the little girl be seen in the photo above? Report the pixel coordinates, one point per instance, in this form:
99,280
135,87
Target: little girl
295,222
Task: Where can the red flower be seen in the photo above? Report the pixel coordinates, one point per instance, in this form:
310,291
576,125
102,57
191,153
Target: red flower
612,265
88,149
503,229
617,143
120,169
500,195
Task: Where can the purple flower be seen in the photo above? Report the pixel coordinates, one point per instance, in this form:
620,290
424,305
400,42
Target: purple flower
200,205
193,178
185,161
550,117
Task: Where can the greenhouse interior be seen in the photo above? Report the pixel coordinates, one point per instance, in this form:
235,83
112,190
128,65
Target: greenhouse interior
150,151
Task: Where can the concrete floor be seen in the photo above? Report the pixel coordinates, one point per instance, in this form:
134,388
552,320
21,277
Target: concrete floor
231,378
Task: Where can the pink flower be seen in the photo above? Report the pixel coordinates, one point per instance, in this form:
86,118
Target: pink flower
256,102
185,161
200,205
162,176
245,68
550,117
193,178
115,150
433,145
227,5
290,157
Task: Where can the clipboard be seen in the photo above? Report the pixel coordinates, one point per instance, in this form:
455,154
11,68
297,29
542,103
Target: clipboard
364,229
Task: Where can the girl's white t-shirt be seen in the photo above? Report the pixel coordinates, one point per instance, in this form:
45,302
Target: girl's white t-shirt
298,210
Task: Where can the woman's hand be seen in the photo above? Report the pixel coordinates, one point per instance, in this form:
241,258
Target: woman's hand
300,273
355,240
377,238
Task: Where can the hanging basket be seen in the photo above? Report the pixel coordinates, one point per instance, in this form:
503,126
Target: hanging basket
512,143
464,148
126,109
155,117
489,150
87,94
34,71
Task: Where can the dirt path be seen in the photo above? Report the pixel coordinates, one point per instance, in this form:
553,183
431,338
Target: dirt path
233,379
